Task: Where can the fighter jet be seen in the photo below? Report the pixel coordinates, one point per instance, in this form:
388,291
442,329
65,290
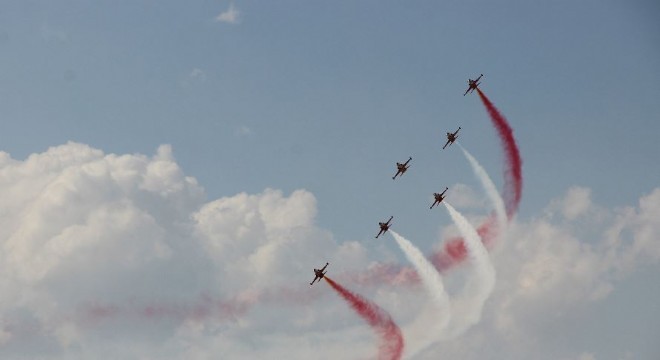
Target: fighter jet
319,274
451,138
401,168
384,226
472,84
438,198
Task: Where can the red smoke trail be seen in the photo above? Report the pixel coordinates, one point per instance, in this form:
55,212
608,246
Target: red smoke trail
392,340
513,173
455,251
205,308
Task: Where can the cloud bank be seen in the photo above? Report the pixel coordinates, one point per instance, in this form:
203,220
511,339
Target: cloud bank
111,256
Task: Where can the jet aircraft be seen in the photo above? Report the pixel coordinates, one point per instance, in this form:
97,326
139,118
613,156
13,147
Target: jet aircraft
319,274
401,168
451,138
472,84
438,197
384,226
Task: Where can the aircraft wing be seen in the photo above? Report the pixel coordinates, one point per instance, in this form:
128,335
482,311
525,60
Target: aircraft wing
447,143
315,278
466,91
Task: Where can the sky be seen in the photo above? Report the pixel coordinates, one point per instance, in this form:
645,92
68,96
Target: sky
160,156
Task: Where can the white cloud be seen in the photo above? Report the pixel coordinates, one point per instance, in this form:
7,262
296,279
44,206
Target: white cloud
230,16
586,356
197,74
547,273
574,204
95,243
243,131
464,196
123,256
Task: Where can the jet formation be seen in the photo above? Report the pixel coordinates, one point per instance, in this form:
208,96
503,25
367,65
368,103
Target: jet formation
402,168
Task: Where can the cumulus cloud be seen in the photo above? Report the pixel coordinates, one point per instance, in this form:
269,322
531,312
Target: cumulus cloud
576,203
95,243
197,74
465,196
547,272
195,77
243,131
124,256
230,16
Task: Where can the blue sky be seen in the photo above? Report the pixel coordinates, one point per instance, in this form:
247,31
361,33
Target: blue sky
333,94
327,95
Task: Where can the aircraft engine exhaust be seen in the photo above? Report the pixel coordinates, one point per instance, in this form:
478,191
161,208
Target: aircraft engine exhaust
391,346
513,171
432,282
490,188
478,288
429,276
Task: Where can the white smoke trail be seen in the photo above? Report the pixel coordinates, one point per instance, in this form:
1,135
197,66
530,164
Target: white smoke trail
491,191
432,281
469,305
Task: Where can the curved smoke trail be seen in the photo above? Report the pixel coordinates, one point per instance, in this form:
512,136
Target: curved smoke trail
478,289
432,281
429,276
513,171
490,188
454,251
391,346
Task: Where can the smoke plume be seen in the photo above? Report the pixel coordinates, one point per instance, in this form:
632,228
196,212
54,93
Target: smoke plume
478,288
432,281
391,346
489,187
513,163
